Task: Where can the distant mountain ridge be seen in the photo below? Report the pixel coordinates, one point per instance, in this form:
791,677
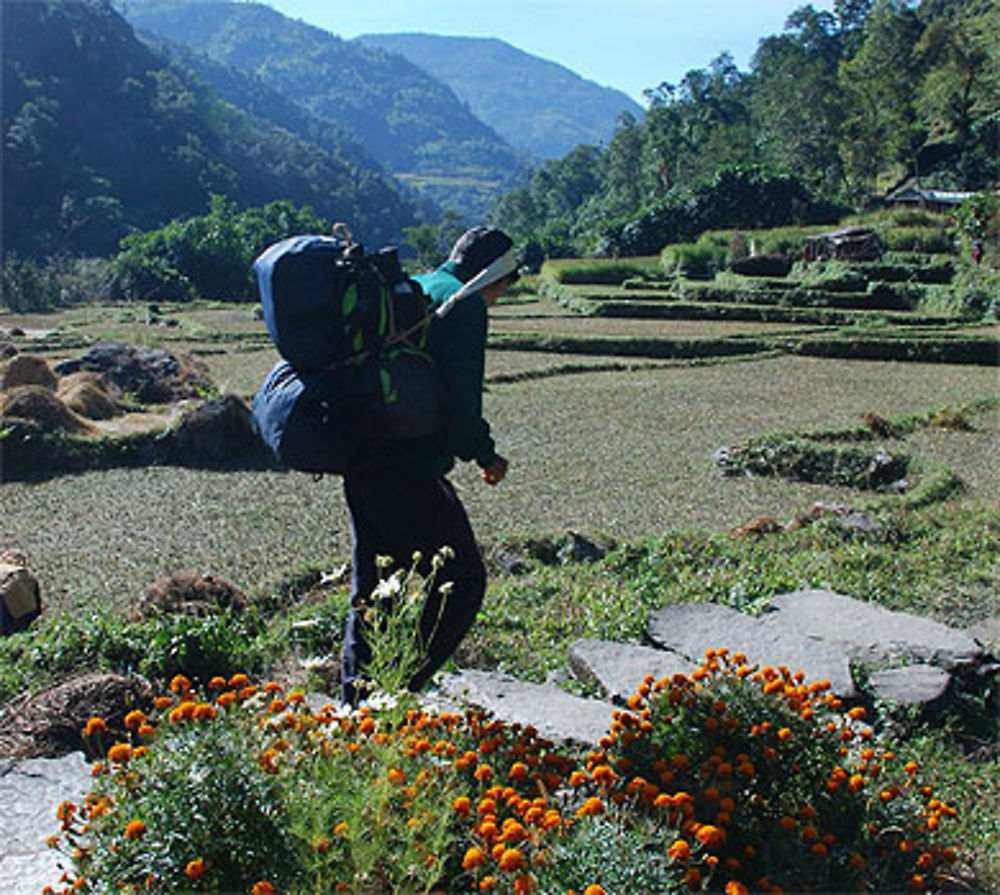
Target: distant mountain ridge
406,119
536,105
103,134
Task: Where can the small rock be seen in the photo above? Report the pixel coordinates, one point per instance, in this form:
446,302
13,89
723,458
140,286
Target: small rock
579,549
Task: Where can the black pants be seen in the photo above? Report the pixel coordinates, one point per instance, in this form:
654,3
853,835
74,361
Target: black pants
395,512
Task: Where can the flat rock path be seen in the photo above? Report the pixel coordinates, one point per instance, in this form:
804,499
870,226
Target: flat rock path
904,658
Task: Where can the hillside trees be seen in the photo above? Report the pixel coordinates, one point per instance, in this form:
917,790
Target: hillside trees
839,108
104,135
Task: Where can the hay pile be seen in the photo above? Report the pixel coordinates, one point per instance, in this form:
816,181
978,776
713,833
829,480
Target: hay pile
85,394
191,594
50,723
41,409
26,369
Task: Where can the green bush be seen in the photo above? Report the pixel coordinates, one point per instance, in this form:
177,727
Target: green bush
833,276
701,260
61,645
598,272
931,240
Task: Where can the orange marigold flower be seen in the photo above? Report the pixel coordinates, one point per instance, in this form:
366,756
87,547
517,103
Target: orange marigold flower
134,829
785,734
340,829
163,702
195,869
487,883
146,730
680,850
227,698
711,836
787,824
180,684
819,849
735,887
911,768
474,857
518,770
511,860
591,807
263,888
120,753
95,726
461,806
217,683
594,889
692,876
239,680
135,719
203,711
680,761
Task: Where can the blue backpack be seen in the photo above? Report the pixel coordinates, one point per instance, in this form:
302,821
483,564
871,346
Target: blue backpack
352,329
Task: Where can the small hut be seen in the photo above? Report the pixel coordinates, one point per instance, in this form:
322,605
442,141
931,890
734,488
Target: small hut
848,244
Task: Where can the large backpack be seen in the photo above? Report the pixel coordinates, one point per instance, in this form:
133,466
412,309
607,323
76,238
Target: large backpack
352,330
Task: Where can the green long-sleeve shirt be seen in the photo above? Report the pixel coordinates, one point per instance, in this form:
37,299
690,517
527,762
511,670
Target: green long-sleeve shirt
458,344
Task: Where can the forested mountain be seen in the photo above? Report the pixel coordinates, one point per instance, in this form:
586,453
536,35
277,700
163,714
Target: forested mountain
537,106
406,119
834,113
103,135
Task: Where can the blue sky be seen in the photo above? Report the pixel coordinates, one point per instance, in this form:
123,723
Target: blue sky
627,44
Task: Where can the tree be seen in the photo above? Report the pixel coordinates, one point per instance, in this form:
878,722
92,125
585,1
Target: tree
881,127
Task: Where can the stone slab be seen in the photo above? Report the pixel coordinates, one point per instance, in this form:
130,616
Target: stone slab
554,713
619,668
925,685
692,628
30,792
870,633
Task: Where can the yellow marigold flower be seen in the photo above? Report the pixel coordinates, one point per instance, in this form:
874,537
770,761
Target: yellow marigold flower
120,753
195,869
180,684
95,726
263,888
134,829
711,836
474,857
512,860
679,851
591,807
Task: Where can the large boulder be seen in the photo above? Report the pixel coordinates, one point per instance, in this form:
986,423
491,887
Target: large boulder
152,375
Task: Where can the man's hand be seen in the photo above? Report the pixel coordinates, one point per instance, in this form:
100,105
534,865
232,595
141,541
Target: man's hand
495,472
